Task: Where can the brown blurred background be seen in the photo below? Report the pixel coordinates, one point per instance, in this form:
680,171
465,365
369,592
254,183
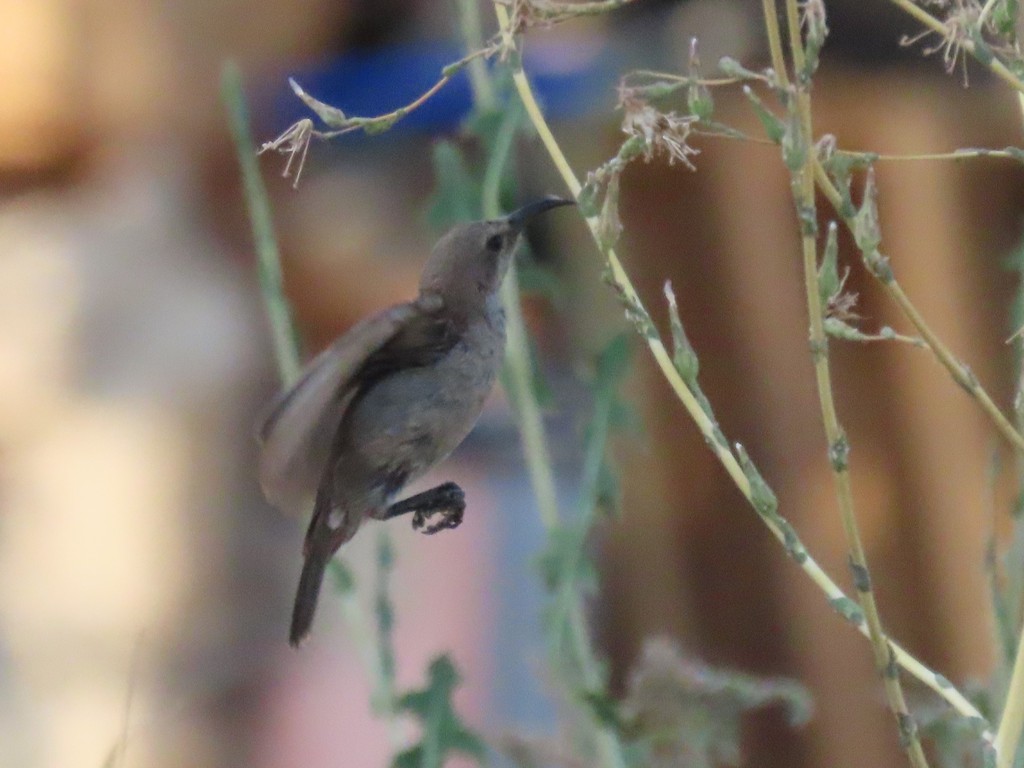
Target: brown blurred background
144,585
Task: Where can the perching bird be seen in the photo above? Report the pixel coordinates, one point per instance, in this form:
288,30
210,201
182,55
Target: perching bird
390,399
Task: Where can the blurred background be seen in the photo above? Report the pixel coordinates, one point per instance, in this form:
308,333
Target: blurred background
145,585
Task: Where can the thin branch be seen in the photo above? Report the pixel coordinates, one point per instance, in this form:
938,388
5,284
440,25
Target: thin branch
294,141
838,445
282,328
961,374
286,352
531,425
785,534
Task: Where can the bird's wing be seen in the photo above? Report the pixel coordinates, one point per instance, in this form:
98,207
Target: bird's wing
296,435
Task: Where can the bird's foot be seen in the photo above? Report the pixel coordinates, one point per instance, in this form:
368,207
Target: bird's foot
448,501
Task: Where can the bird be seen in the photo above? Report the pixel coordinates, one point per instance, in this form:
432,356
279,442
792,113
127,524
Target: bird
389,400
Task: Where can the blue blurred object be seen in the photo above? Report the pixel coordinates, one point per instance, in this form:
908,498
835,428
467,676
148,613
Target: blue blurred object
570,81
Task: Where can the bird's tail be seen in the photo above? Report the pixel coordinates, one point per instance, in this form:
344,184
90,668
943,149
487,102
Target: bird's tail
305,599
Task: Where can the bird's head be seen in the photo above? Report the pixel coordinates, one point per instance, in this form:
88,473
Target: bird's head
469,263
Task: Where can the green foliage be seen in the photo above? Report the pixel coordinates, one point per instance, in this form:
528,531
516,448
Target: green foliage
774,128
564,565
732,68
866,231
385,611
341,575
443,733
761,494
600,483
840,167
1004,18
609,225
794,142
685,358
828,271
816,32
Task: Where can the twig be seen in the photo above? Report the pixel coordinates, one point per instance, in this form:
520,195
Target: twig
1005,742
531,425
287,353
617,275
282,329
294,141
961,374
838,446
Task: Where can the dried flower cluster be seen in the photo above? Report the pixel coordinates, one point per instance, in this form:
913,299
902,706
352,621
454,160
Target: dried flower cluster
962,17
662,132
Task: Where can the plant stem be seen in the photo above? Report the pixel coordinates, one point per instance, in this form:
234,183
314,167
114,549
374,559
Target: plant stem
286,351
518,363
838,447
937,683
775,42
520,372
282,329
989,5
472,34
1012,720
961,374
1010,725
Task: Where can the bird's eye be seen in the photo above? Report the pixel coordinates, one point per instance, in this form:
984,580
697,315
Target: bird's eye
494,243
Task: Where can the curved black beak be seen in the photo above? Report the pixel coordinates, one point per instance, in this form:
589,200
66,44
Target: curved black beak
517,219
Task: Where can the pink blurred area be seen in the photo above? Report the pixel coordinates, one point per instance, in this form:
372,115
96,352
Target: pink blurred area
320,710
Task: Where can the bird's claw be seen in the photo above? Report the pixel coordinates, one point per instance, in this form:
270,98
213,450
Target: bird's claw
450,518
451,508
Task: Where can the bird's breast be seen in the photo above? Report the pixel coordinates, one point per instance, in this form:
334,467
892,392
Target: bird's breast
413,418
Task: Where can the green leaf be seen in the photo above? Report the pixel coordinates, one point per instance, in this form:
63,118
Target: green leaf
341,575
606,710
794,143
563,561
659,89
589,194
609,226
1004,18
608,489
828,271
444,733
732,68
866,230
700,102
817,30
683,355
698,97
331,116
774,128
